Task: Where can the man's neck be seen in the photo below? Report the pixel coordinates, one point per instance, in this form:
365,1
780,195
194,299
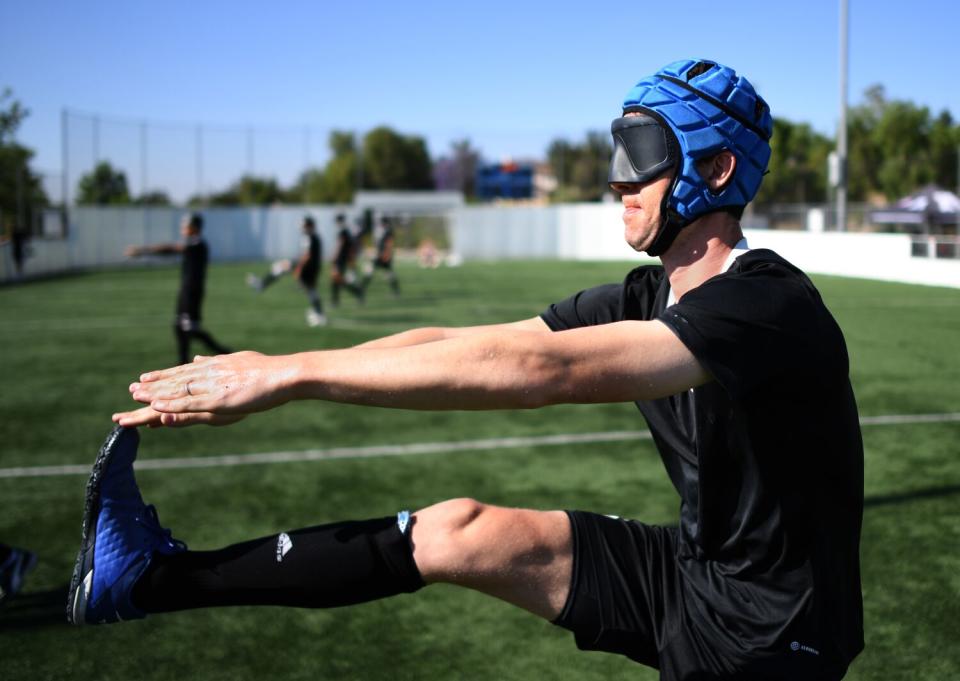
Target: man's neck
700,251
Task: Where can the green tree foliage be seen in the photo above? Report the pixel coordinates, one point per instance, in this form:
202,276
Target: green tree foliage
897,147
21,191
458,169
394,161
798,165
249,190
153,198
104,186
341,174
581,168
336,182
309,187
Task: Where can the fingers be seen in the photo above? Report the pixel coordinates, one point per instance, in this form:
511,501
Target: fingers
201,418
144,416
148,393
153,419
173,372
183,405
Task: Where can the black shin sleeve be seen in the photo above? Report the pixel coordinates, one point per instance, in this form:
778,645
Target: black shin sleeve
319,567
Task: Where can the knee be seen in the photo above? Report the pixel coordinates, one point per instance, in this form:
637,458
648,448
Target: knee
445,536
453,517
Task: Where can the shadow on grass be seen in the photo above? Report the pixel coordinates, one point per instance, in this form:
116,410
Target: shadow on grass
902,497
29,610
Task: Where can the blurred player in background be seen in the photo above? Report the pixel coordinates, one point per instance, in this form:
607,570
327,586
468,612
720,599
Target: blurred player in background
306,271
341,273
18,238
383,260
193,275
14,566
735,363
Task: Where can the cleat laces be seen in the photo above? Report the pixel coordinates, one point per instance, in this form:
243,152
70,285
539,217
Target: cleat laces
151,522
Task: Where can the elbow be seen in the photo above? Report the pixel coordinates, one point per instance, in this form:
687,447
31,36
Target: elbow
546,382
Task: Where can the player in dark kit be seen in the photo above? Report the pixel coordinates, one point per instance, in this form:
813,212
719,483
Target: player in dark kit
306,271
193,274
732,358
342,275
386,241
15,564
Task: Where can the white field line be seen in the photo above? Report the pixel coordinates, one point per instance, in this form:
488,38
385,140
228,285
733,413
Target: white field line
228,460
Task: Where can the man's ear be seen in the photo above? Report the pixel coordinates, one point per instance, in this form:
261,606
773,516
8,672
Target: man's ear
718,170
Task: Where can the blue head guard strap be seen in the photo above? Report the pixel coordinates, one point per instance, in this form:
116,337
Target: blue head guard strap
707,108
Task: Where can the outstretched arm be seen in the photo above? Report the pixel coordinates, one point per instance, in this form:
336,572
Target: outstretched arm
503,369
155,249
437,333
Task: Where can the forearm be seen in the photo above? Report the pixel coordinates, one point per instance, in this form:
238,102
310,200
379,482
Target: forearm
475,372
155,249
436,333
408,338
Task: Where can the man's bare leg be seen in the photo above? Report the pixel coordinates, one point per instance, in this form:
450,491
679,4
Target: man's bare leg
521,556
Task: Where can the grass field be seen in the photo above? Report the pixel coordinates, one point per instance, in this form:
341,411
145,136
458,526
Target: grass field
69,347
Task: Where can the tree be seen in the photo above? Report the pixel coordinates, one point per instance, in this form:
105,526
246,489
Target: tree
458,171
21,190
394,161
798,165
153,198
340,176
897,147
249,190
581,168
103,186
310,187
944,146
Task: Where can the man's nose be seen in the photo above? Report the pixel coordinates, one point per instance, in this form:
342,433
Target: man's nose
625,187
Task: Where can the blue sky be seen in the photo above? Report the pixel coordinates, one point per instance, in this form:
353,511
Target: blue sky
508,75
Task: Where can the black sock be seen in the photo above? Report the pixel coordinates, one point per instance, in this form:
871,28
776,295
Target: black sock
210,342
183,344
318,567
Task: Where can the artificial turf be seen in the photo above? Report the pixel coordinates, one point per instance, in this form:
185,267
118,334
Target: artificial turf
70,345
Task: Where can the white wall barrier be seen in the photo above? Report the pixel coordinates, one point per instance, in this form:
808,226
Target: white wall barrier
98,236
595,232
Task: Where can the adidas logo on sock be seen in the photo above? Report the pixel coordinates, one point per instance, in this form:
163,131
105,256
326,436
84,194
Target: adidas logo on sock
284,544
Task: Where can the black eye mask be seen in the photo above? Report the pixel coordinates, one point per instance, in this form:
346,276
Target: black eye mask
643,149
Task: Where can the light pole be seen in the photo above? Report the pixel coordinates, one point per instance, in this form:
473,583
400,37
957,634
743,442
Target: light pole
842,124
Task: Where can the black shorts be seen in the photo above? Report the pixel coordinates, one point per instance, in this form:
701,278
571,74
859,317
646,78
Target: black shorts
308,277
627,597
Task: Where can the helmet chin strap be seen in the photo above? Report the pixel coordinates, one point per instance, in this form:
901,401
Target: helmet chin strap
670,227
671,221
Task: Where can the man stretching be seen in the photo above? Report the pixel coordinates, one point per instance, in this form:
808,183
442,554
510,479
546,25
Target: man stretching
732,358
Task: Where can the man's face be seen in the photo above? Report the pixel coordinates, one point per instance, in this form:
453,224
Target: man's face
641,203
186,229
641,214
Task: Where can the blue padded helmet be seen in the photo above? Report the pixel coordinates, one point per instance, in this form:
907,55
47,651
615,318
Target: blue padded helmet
708,108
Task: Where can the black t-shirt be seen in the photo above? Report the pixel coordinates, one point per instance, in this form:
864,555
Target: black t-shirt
193,274
344,249
314,249
767,458
385,246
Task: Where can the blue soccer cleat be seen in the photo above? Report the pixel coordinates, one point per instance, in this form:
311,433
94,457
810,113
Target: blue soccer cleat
12,571
120,536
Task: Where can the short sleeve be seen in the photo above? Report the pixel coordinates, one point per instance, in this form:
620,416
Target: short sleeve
593,306
758,327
